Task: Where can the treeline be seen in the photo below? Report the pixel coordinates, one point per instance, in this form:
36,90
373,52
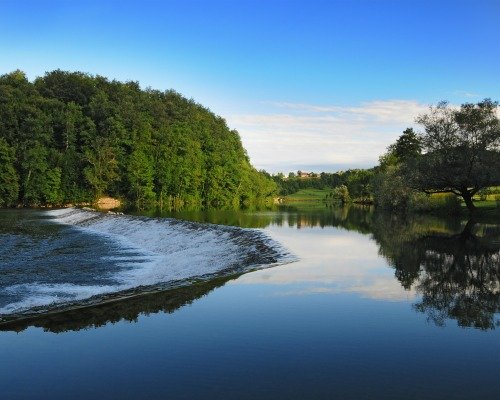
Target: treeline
357,183
70,137
456,156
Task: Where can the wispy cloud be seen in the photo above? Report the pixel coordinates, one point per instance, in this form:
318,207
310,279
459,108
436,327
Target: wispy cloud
374,111
291,134
467,95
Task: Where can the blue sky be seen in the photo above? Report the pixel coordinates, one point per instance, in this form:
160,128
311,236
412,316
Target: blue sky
320,85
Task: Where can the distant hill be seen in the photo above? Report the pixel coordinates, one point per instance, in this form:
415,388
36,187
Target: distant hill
70,137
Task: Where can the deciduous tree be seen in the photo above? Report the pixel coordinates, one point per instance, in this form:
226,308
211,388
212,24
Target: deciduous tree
461,150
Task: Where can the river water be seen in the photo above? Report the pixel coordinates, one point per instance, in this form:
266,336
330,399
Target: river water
290,302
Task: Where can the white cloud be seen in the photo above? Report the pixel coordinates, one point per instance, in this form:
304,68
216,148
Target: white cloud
294,134
466,94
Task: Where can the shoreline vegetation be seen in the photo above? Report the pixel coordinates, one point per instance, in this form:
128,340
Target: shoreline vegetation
437,203
454,163
70,138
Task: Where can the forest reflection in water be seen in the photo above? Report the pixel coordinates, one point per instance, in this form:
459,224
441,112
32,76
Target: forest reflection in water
126,309
453,265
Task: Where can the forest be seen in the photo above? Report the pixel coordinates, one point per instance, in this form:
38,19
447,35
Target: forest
71,137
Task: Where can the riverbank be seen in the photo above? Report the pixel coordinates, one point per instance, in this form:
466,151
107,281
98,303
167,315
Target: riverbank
487,207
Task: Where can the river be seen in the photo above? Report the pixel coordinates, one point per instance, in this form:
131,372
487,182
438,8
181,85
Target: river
290,302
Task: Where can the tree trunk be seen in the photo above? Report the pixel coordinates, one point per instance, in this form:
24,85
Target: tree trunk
467,232
468,200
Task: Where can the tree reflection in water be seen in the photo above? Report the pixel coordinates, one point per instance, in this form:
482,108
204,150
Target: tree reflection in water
124,308
457,274
454,265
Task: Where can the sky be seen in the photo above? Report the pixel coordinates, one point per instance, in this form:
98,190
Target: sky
311,85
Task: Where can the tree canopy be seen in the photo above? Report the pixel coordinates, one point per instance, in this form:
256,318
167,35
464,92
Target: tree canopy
407,147
70,137
461,150
457,153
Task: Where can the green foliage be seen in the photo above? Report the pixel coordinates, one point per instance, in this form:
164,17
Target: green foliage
40,182
140,177
359,184
357,180
341,193
444,203
407,147
462,150
9,179
102,165
51,187
390,189
70,137
392,192
461,157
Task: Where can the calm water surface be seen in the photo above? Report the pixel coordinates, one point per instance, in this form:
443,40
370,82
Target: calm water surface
374,307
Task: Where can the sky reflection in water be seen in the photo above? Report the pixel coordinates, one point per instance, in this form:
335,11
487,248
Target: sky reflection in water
331,261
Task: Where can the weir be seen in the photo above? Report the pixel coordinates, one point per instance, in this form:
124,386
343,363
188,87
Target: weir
137,254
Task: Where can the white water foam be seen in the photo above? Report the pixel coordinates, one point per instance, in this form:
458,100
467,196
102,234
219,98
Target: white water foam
39,294
161,251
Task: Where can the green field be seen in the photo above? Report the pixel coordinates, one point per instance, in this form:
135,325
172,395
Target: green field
304,195
486,203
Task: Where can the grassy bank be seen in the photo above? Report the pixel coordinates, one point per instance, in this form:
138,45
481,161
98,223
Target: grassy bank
308,195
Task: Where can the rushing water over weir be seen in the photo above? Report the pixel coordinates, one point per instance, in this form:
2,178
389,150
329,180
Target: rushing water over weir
71,257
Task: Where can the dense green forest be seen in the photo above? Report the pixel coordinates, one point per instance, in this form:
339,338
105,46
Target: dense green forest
70,137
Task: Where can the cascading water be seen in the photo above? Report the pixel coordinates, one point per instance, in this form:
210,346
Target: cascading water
82,254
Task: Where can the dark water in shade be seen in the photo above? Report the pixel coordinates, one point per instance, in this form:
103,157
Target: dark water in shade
375,307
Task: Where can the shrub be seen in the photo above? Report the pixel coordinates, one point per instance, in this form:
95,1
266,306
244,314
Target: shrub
447,203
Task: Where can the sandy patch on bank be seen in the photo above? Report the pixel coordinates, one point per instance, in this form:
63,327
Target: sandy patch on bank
108,203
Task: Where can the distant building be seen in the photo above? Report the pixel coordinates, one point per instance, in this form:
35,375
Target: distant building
303,175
